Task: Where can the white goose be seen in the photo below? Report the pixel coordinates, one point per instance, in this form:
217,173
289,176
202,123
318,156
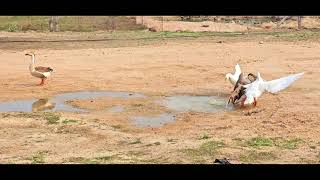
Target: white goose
233,78
40,72
256,88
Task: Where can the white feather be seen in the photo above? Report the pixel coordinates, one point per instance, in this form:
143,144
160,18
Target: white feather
233,78
280,84
256,88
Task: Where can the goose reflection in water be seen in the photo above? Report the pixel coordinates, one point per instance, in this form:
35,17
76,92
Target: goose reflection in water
42,105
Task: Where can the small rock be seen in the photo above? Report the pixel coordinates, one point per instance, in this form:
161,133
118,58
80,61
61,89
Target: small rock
261,42
220,42
205,25
152,29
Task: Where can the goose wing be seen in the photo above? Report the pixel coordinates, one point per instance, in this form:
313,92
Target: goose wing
43,69
281,83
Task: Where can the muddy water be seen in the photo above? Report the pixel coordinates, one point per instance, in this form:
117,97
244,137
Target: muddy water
176,104
57,103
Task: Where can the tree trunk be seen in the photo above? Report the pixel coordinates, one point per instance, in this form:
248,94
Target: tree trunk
53,23
299,22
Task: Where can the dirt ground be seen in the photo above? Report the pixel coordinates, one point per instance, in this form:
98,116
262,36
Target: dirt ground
283,128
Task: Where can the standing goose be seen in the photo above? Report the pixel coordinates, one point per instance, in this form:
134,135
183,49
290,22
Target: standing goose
255,89
233,78
40,72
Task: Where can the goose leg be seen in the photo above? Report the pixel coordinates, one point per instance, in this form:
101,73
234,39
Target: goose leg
254,102
42,81
242,100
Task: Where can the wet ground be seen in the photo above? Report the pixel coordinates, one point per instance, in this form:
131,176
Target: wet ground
176,104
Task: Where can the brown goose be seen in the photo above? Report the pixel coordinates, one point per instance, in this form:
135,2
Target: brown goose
40,72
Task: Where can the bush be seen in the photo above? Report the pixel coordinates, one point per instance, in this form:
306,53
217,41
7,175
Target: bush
13,27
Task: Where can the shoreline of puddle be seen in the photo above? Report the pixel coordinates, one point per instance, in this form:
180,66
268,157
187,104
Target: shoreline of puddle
176,103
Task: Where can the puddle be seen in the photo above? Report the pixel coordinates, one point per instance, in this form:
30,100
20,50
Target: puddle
57,103
154,121
195,103
116,109
17,106
178,104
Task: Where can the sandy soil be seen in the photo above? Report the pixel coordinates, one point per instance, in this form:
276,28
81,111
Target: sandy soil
283,128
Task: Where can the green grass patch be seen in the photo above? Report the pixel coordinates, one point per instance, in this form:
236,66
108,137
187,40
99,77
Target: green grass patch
258,142
38,158
254,156
51,118
137,141
67,121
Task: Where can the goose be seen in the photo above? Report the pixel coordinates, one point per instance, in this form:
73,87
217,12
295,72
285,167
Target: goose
255,89
233,78
40,72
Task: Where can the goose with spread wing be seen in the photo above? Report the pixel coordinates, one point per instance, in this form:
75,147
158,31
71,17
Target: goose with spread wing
255,89
39,71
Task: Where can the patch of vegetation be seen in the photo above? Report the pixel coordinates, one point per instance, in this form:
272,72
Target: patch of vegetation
205,136
159,160
172,140
106,158
4,115
288,144
69,23
82,160
66,121
25,115
259,142
240,142
51,118
157,143
136,153
38,158
308,161
95,160
169,34
313,147
206,149
13,27
254,156
117,126
137,141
